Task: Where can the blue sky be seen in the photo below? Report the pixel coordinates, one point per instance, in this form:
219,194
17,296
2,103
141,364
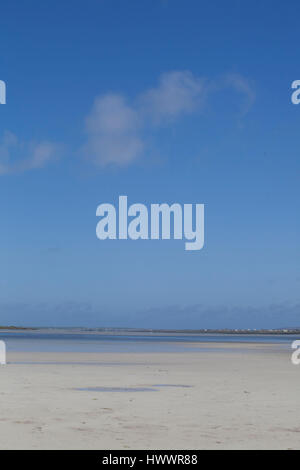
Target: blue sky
164,101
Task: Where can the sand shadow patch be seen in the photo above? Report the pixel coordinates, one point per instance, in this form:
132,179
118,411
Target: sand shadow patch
116,389
172,385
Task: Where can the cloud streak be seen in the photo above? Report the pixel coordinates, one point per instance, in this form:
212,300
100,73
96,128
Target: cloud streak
281,315
72,313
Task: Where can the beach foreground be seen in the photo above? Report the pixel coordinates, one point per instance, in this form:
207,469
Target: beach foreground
242,397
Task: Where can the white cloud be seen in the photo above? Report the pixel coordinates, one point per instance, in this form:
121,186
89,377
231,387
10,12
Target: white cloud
178,93
113,132
17,156
115,128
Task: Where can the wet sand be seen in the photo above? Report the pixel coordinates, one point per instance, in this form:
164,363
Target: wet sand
241,397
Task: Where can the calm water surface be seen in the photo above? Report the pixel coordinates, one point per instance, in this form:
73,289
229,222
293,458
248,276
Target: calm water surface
92,341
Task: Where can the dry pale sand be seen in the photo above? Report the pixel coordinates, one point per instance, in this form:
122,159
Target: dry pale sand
236,400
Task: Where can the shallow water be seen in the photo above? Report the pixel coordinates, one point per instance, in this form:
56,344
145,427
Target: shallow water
48,340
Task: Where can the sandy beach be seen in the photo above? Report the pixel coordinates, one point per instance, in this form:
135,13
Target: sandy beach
240,397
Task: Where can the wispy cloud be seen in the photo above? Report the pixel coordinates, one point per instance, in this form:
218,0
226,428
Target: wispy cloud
242,86
18,156
65,313
115,127
281,315
72,313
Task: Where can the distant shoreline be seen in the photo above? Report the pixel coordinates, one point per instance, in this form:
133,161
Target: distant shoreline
277,331
17,328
